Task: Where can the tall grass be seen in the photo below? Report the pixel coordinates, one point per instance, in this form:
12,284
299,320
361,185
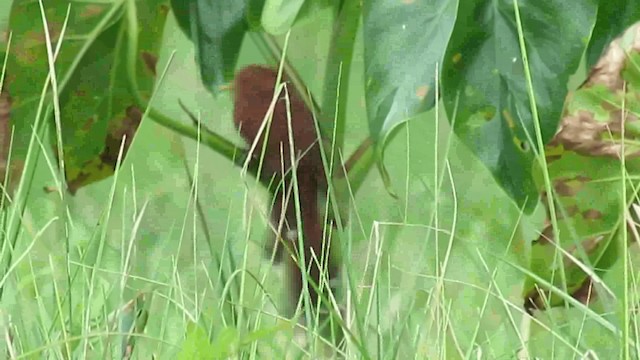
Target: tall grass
163,260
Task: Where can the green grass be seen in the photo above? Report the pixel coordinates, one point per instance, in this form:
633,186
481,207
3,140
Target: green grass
436,274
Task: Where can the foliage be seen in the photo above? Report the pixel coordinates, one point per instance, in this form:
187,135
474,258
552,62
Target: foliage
107,52
502,70
217,29
590,187
486,86
396,86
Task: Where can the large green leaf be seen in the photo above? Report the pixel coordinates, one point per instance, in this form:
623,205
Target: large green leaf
583,164
613,17
484,83
403,43
468,243
216,29
98,105
27,66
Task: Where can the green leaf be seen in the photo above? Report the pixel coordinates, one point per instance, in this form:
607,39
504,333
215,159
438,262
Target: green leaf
181,10
267,333
216,29
574,332
477,280
484,82
585,170
279,15
99,105
311,7
588,204
404,41
613,17
254,14
196,345
27,65
225,343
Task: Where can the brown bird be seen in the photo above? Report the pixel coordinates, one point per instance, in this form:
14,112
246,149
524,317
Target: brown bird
254,89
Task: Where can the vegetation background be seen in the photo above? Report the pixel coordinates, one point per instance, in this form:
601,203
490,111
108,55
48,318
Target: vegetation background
156,259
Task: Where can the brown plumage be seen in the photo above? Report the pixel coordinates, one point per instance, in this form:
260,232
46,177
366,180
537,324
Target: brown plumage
254,86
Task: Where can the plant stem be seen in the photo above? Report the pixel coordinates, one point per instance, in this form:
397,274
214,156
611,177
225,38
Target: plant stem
358,165
336,84
212,140
332,119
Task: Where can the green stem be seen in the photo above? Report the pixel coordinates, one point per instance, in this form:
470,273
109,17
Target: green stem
359,165
209,138
332,118
336,84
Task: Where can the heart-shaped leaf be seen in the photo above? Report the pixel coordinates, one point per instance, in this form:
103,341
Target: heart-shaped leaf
404,41
484,81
